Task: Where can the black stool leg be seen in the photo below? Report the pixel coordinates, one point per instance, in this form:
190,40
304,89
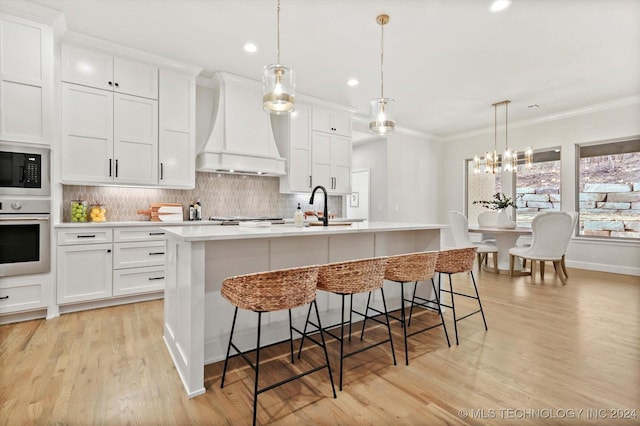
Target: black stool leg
255,387
453,306
404,323
324,347
350,314
341,339
366,313
413,299
479,302
304,332
386,315
435,292
291,336
226,360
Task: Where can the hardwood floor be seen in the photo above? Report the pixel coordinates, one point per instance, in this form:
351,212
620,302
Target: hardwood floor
550,351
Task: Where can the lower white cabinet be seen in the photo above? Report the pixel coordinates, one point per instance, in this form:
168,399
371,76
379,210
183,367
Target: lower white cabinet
24,293
105,263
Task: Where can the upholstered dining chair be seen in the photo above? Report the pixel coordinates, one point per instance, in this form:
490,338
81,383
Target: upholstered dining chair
488,219
575,216
460,231
551,233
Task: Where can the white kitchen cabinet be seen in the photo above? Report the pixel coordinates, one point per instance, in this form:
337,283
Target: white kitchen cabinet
26,80
176,144
138,280
84,272
103,71
331,162
108,138
24,293
331,121
295,145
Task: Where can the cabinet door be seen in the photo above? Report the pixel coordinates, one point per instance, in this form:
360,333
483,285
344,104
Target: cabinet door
87,134
138,280
341,164
341,123
135,134
26,80
135,78
176,145
331,121
321,160
84,273
86,67
300,150
24,293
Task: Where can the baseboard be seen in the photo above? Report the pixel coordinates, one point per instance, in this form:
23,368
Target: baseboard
602,267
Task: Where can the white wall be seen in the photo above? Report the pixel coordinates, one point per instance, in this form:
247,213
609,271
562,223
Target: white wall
611,121
372,155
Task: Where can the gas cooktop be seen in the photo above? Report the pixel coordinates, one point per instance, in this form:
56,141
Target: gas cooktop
234,220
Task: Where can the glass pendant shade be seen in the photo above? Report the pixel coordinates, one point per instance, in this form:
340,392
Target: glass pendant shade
380,118
528,157
278,88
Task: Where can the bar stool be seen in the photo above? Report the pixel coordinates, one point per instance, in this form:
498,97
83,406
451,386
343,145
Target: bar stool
267,292
412,267
453,262
349,278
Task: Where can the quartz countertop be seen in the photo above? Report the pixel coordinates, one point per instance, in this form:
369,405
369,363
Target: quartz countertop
205,233
136,223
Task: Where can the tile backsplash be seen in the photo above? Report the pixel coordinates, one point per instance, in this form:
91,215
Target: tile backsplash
219,194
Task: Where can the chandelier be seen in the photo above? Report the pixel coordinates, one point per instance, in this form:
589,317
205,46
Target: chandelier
278,83
509,158
380,121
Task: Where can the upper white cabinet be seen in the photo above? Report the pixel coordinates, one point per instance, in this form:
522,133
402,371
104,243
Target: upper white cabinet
331,121
26,80
296,146
107,137
104,71
331,166
177,143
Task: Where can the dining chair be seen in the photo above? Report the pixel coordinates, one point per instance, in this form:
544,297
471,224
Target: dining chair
460,230
488,219
551,233
575,216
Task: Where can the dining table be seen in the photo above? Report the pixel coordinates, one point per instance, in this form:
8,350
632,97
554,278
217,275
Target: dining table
505,239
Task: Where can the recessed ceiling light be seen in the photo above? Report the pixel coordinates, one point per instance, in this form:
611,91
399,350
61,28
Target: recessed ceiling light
250,47
353,82
499,5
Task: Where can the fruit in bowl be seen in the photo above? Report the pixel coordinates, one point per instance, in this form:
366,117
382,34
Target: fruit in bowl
97,213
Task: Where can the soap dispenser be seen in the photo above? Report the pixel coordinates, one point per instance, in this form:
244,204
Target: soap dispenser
298,218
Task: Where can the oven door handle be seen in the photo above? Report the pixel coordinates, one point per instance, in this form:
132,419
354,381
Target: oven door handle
22,218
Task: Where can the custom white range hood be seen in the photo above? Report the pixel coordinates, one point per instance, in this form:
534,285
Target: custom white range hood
234,134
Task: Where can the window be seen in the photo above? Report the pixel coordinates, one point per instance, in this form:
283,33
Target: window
609,189
537,188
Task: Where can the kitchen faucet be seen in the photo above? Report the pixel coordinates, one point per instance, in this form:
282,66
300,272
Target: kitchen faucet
325,213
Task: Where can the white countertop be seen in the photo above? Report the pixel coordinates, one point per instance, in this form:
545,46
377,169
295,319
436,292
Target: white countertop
136,223
207,233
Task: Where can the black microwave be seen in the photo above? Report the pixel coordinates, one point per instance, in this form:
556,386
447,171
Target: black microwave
24,171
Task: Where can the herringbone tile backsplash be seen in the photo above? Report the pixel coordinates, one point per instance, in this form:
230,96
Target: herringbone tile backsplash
220,195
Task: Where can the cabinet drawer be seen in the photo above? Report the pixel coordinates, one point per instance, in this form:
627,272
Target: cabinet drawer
137,234
138,280
137,254
84,236
23,295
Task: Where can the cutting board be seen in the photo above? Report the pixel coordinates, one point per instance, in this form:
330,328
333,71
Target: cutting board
164,212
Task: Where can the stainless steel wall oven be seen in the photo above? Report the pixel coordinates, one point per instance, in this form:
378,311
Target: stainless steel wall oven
24,236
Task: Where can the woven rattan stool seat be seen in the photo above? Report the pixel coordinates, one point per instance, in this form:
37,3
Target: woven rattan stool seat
354,276
411,267
272,291
456,260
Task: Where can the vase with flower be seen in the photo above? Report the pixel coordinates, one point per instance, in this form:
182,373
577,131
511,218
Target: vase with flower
500,203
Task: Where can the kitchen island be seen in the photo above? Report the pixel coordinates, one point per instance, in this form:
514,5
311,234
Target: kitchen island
197,319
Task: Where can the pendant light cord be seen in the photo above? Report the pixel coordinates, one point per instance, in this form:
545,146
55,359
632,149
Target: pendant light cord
382,61
495,128
278,26
506,126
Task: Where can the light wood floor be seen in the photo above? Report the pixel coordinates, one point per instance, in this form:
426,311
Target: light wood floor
549,348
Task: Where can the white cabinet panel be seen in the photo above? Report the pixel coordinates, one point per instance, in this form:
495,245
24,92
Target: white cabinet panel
143,233
135,139
24,293
135,78
26,80
84,236
84,272
137,254
331,121
138,280
87,134
86,67
331,165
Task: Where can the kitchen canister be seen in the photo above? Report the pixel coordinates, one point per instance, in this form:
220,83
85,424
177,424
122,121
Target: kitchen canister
78,212
97,213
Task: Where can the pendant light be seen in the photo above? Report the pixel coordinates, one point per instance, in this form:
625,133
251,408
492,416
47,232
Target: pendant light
509,156
509,159
278,84
380,121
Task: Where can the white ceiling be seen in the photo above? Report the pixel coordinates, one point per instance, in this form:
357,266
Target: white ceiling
446,61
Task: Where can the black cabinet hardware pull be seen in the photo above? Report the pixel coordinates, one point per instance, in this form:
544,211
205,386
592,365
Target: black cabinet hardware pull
111,83
4,297
156,233
108,250
310,181
110,168
85,236
156,253
116,167
117,85
150,279
161,171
